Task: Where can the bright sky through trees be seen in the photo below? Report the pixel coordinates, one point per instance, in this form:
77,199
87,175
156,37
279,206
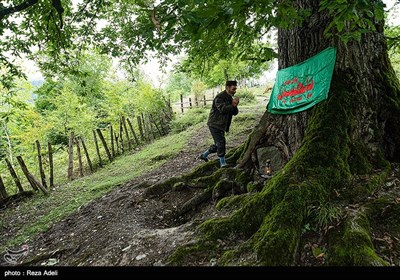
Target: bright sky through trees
157,77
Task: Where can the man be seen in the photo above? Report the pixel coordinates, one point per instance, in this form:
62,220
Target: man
223,108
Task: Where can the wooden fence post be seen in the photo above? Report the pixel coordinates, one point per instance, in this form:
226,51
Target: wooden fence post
121,139
3,192
112,141
190,103
149,129
153,121
35,183
182,103
42,175
70,156
104,144
14,175
132,131
86,154
51,169
116,142
140,128
126,133
97,148
204,98
78,151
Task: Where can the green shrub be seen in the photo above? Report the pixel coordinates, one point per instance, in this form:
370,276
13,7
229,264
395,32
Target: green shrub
191,117
246,96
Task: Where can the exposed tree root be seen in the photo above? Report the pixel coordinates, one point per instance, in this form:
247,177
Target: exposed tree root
270,226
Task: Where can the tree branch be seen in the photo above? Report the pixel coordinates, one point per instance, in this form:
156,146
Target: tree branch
17,8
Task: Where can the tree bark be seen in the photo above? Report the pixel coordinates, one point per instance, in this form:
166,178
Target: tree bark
103,141
97,148
70,156
78,152
133,132
51,166
121,138
139,121
3,192
87,154
126,133
42,174
14,175
35,183
112,141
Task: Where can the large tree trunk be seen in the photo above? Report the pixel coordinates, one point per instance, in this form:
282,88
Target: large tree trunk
336,155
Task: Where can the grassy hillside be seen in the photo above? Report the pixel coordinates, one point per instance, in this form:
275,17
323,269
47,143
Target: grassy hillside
21,222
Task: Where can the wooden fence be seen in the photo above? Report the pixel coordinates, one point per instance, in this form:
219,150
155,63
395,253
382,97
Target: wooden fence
113,142
187,103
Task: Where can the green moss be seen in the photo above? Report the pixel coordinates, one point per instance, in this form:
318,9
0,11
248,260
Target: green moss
378,179
242,179
234,154
254,186
178,186
216,228
365,187
187,253
227,257
158,189
352,246
281,230
233,257
359,164
231,202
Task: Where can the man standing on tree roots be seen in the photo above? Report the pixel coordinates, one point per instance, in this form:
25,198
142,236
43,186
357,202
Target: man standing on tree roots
223,108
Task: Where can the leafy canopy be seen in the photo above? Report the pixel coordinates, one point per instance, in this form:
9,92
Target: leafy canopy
207,30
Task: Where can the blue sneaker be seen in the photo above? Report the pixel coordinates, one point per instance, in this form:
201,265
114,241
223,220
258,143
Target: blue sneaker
222,161
203,158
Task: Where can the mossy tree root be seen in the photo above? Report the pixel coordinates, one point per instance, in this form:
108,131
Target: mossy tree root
352,244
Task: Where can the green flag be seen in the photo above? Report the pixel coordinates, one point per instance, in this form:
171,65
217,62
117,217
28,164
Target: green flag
303,85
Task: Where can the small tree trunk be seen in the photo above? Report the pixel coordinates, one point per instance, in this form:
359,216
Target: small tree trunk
139,121
147,128
86,154
51,168
121,138
133,131
14,176
42,174
97,148
3,192
112,141
103,141
70,156
117,142
78,151
153,121
126,133
35,183
182,103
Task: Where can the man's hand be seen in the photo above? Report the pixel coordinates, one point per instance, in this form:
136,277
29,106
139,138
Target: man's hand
235,101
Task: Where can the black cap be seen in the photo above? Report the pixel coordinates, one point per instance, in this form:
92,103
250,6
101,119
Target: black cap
230,83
